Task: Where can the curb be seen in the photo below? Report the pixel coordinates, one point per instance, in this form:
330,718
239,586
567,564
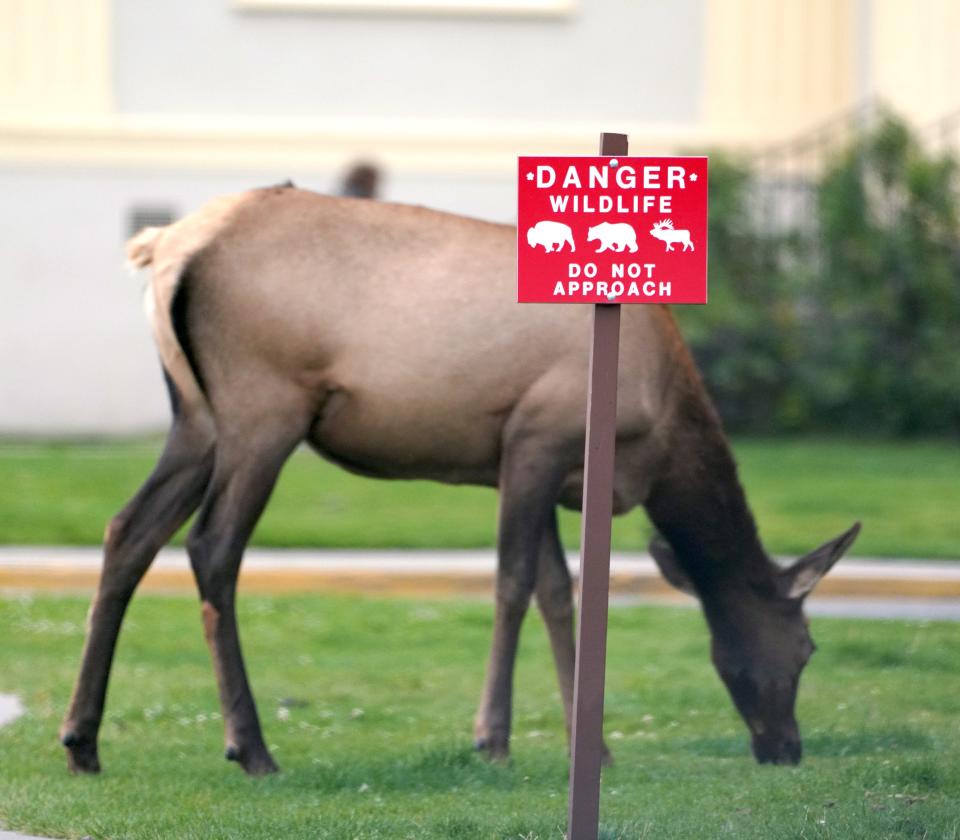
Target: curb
433,574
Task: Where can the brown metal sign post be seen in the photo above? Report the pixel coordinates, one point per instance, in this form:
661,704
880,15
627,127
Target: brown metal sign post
605,230
587,735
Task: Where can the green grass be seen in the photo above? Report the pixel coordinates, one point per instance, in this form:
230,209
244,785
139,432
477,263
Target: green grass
803,492
374,737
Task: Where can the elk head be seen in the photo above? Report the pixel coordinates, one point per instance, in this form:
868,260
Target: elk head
661,226
760,641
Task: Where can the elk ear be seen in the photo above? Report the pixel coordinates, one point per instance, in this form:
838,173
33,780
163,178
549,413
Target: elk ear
666,560
797,581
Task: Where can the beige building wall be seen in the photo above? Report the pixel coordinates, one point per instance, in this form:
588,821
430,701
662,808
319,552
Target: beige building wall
775,67
780,66
54,58
915,57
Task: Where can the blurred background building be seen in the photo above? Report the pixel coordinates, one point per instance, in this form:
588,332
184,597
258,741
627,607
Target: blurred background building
120,113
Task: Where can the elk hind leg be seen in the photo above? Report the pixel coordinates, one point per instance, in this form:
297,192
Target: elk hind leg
247,466
554,592
529,483
133,537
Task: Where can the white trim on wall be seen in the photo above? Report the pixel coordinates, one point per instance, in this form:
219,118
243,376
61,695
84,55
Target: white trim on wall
421,145
521,8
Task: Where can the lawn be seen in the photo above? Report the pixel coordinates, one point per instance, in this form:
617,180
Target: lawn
368,706
803,492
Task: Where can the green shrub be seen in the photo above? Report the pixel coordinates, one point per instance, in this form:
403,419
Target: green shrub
849,322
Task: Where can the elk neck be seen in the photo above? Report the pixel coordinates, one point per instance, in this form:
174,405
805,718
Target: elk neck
698,504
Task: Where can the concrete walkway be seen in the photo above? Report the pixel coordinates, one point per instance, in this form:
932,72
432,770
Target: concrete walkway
859,586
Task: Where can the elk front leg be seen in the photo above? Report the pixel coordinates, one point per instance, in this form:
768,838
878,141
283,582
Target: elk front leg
133,538
244,476
529,482
554,592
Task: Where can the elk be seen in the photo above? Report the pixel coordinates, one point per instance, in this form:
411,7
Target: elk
387,338
663,230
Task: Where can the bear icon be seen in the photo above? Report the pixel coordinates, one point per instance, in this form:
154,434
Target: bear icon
613,236
550,234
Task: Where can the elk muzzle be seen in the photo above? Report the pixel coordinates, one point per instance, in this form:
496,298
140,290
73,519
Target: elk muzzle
780,746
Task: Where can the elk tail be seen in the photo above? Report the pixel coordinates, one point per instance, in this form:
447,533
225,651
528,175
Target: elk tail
165,298
140,247
171,253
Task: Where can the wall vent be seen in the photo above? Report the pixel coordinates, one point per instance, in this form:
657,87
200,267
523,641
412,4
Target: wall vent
149,215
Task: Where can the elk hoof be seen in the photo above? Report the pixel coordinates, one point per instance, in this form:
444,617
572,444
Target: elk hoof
262,765
493,749
255,763
81,754
606,757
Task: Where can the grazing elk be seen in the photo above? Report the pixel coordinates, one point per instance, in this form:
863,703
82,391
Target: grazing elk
387,338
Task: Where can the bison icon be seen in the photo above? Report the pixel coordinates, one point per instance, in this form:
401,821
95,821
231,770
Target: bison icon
616,236
552,235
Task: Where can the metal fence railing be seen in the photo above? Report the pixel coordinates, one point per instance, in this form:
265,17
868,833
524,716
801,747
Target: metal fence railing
786,175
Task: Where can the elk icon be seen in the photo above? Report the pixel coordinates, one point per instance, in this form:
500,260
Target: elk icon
664,230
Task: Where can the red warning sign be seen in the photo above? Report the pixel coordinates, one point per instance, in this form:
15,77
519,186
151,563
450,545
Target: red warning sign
612,230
